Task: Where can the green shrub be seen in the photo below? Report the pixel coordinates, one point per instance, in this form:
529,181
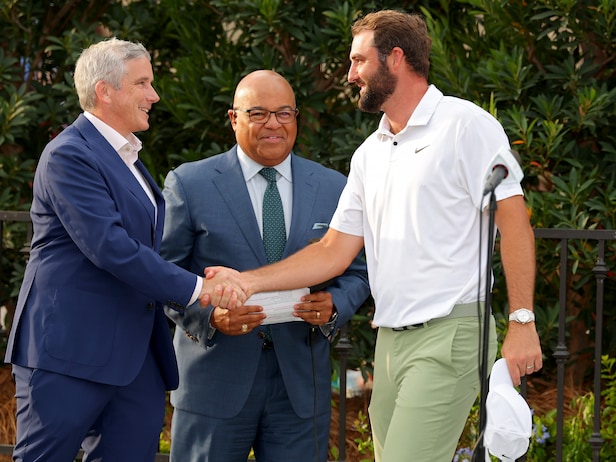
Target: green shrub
545,69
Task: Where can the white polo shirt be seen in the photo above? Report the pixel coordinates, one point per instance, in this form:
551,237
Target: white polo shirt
415,197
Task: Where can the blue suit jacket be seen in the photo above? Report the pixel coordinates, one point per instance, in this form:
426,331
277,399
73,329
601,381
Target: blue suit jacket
210,221
91,301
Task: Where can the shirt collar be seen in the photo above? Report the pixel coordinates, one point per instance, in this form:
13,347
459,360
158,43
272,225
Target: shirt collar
250,168
128,148
420,116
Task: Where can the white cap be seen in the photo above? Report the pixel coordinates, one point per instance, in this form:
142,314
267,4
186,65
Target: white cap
509,420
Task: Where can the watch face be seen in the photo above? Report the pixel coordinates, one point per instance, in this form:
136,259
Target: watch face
523,316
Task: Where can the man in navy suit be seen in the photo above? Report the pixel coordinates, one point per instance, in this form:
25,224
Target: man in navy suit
90,344
243,387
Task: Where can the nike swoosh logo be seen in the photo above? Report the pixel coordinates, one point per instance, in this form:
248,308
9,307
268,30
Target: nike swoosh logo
421,149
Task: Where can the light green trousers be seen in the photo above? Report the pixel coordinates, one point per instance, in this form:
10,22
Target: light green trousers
425,383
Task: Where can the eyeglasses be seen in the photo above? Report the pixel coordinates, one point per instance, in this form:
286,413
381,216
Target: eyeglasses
262,116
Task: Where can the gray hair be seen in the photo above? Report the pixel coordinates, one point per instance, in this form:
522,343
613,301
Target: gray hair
106,61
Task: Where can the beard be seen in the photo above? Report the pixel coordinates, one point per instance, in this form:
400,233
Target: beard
379,87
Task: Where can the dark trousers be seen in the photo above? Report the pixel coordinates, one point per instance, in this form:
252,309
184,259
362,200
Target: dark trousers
267,423
57,414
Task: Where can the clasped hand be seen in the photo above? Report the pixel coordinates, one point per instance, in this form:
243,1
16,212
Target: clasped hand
223,287
315,309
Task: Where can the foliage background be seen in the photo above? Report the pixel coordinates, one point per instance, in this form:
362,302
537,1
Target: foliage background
546,69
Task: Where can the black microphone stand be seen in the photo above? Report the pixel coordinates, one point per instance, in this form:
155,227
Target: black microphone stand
480,452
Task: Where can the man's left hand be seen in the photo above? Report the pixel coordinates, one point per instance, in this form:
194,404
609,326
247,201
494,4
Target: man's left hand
316,308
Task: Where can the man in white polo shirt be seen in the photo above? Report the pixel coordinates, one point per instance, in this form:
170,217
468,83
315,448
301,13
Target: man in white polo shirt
415,199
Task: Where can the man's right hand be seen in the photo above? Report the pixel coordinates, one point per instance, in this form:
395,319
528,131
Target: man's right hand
237,321
223,287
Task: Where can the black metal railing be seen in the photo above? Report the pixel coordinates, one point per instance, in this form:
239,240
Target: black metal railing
561,354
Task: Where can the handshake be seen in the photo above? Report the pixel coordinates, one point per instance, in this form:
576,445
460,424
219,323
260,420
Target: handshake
224,287
227,290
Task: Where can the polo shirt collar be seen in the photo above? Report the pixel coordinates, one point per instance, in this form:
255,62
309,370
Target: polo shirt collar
420,116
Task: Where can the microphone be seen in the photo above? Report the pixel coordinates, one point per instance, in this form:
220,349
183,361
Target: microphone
503,168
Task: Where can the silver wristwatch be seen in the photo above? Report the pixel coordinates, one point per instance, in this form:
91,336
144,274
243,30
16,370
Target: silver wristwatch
522,316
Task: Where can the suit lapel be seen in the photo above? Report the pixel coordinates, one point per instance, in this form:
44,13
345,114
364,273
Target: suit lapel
156,220
232,188
131,183
305,187
110,160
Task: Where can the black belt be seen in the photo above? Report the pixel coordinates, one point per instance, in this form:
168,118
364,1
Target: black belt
465,310
411,327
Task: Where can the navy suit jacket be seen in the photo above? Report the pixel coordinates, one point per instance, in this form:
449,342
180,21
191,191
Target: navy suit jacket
91,301
210,221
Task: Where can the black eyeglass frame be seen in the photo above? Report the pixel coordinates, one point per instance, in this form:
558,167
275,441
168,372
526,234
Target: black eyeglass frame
269,115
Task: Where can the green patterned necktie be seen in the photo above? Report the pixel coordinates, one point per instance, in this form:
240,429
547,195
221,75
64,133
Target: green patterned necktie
274,231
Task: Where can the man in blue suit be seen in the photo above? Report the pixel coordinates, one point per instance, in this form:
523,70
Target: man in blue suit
243,385
90,344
